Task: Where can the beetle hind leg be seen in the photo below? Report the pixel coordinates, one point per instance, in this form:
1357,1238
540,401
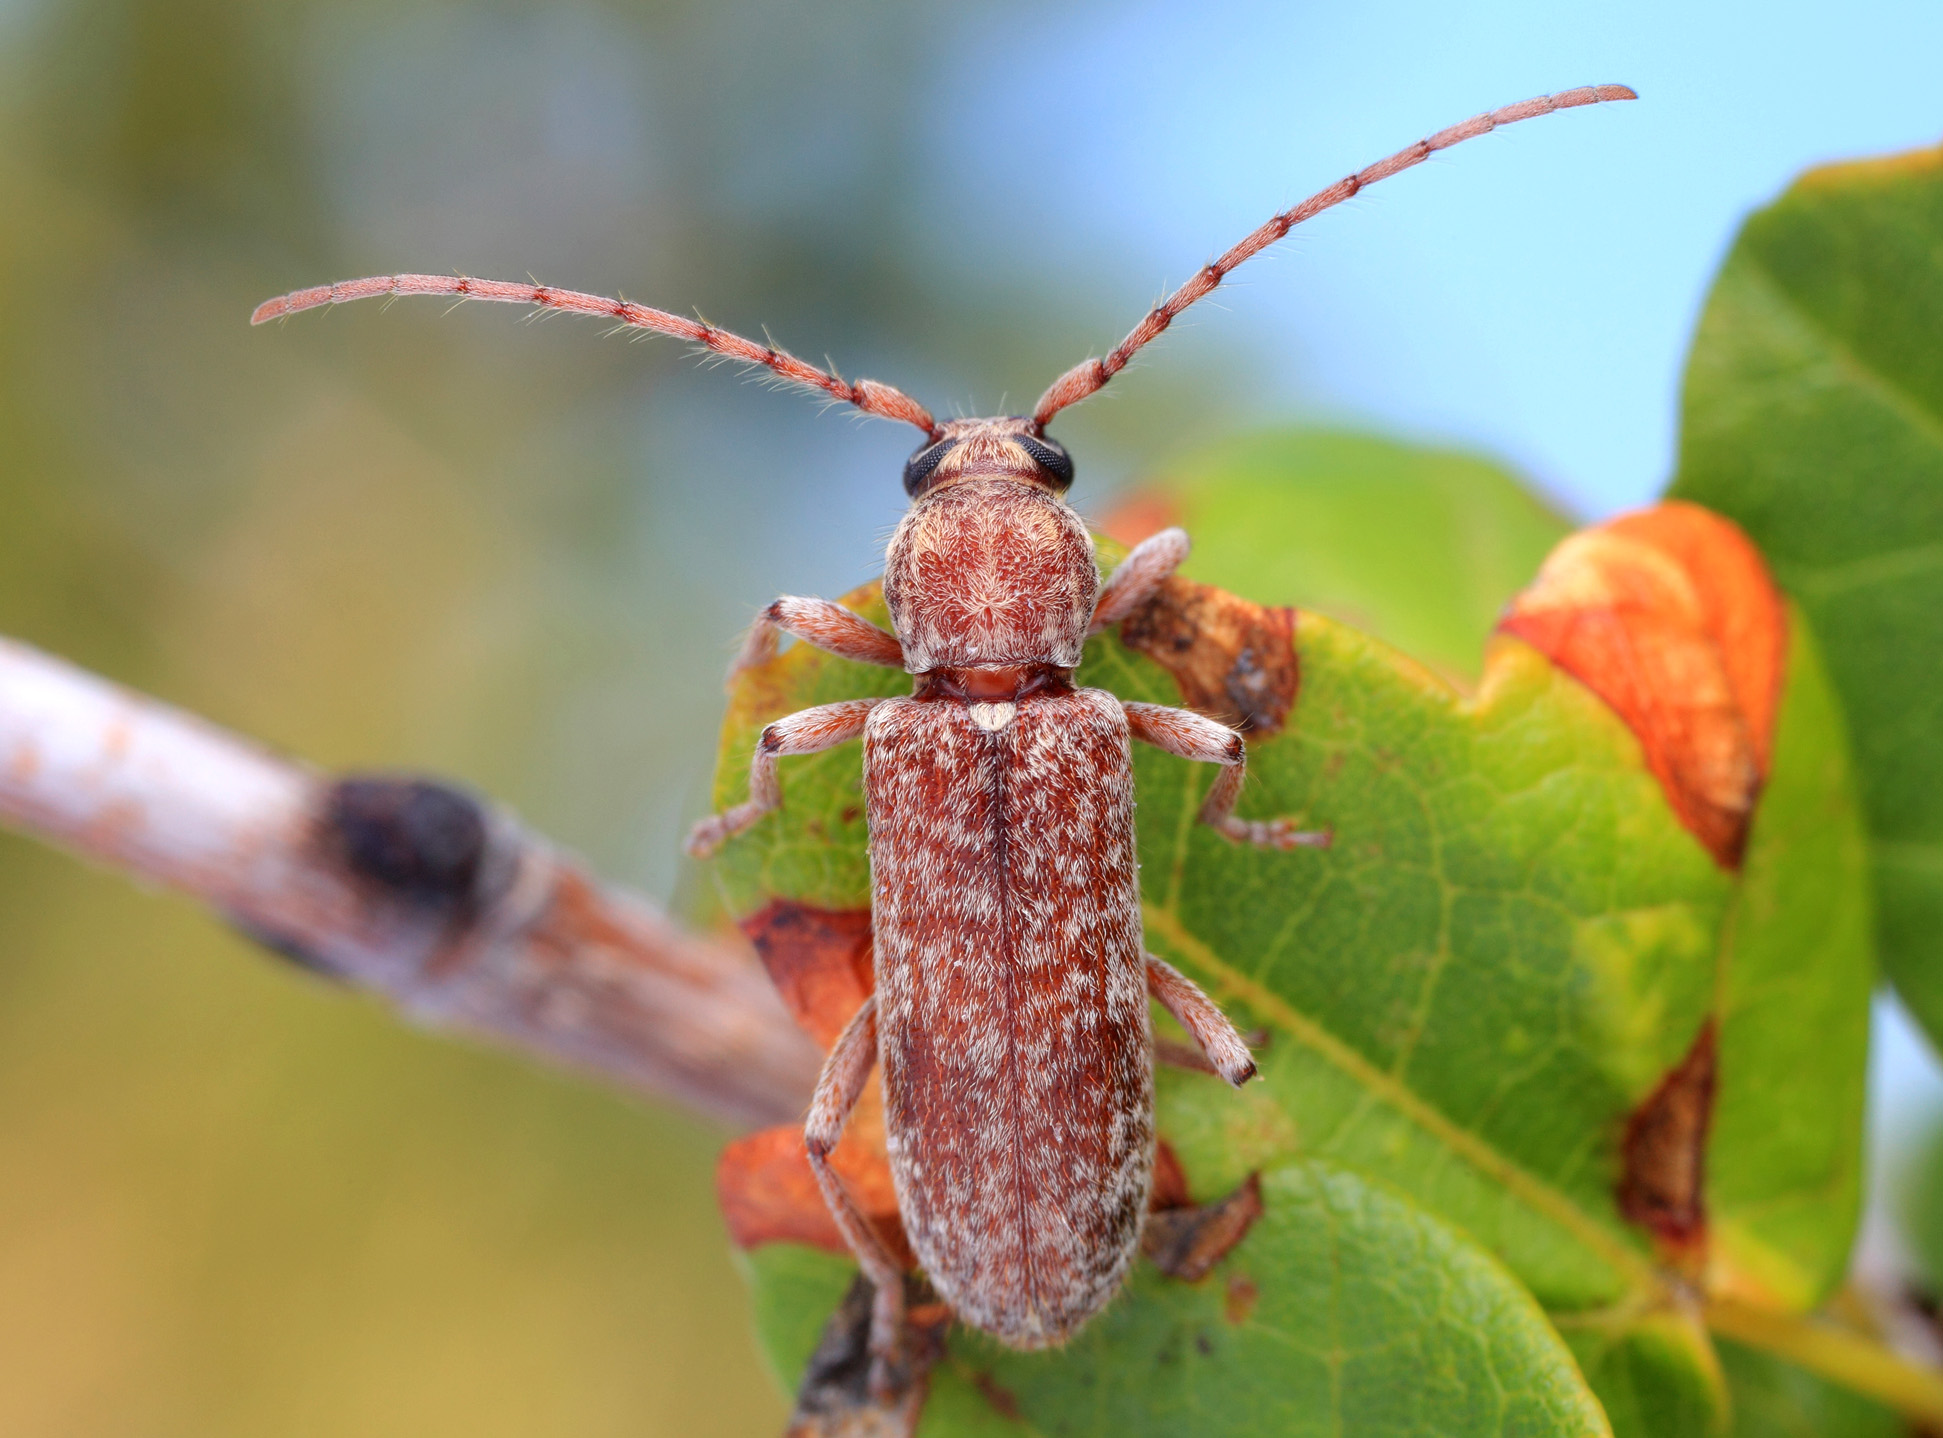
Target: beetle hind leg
1213,1030
841,1084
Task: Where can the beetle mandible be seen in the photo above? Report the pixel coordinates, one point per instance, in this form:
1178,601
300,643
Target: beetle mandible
1010,1013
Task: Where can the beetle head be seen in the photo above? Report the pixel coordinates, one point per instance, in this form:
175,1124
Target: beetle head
1008,447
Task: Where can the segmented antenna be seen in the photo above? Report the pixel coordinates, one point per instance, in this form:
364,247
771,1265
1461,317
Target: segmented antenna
1091,375
866,394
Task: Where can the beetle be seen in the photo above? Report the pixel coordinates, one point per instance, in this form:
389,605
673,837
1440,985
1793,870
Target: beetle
1010,1014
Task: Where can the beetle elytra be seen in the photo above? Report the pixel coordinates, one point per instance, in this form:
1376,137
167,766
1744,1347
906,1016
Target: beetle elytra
1010,1016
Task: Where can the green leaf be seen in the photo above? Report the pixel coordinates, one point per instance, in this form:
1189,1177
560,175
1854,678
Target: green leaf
1418,547
1511,942
1655,1373
1772,1399
1796,966
1814,417
1347,1310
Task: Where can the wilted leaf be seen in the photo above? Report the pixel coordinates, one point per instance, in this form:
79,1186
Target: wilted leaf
1814,417
1347,1310
1512,944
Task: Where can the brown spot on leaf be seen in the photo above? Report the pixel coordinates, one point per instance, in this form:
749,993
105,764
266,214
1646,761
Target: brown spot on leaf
1170,1180
819,960
1671,618
1664,1155
1232,658
835,1399
1186,1243
1240,1300
768,1193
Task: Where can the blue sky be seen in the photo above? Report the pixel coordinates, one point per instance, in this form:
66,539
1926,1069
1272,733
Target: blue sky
1531,293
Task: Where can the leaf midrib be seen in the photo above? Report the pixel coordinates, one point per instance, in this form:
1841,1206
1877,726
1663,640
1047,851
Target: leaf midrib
1385,1087
1886,566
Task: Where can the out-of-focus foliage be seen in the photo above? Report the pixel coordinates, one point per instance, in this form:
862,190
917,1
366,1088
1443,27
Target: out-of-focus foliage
1775,1400
232,1201
1814,416
1419,547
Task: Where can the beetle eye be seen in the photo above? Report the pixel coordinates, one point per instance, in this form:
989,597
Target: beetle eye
1050,455
917,469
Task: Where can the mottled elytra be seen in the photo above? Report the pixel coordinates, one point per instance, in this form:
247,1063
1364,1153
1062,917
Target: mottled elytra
1010,1017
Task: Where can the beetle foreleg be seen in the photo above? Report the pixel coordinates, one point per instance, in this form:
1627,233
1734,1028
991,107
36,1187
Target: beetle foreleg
1146,567
845,1072
1203,1020
1194,736
807,731
828,626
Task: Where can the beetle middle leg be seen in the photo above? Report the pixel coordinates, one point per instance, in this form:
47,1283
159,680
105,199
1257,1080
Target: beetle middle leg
1194,736
807,731
827,625
845,1073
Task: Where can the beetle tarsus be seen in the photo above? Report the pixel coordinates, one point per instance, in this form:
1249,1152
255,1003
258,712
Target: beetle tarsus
807,731
1271,833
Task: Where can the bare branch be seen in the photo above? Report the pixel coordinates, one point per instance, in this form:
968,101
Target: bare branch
407,887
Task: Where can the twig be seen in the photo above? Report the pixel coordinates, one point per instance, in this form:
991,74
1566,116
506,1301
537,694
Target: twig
407,887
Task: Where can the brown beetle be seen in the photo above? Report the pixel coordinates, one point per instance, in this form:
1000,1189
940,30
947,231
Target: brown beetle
1010,1014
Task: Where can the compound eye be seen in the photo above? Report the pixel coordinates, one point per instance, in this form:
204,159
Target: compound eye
1050,455
918,468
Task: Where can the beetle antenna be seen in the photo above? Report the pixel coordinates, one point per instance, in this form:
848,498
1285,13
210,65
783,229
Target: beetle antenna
866,394
1091,375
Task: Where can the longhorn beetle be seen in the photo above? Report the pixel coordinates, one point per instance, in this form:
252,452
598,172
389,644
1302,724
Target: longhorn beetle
1010,1012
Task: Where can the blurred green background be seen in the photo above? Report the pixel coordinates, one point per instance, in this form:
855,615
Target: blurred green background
235,1201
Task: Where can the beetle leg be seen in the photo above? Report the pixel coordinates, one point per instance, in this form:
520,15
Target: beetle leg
1194,736
807,731
841,1084
1146,567
835,1396
826,625
1203,1020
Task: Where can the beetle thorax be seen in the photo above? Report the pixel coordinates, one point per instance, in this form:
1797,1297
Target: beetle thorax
990,570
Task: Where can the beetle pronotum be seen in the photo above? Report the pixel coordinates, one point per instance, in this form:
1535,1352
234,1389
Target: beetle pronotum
1010,1014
